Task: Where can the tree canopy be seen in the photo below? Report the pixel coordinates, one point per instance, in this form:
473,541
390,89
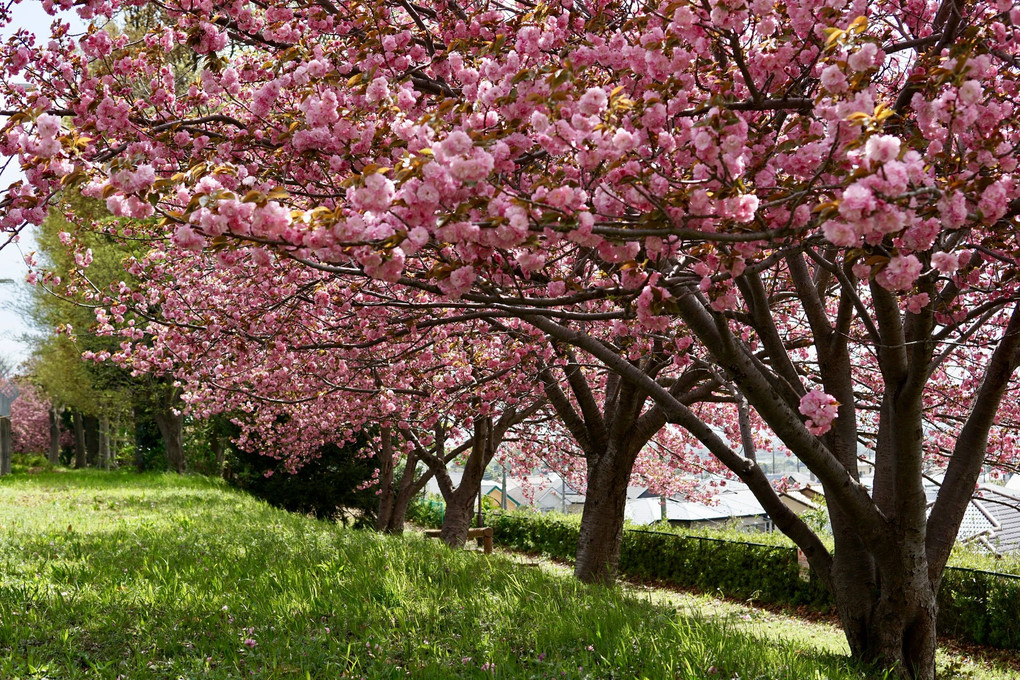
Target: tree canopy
813,203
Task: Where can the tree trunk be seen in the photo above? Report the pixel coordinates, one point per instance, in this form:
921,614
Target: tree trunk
598,541
54,453
457,520
79,441
171,428
406,491
893,627
104,443
5,446
460,502
91,426
398,516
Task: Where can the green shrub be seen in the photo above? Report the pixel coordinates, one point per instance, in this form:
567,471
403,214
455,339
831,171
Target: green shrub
980,606
427,512
30,463
327,487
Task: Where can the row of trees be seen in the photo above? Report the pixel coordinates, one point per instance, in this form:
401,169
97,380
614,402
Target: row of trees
467,222
90,411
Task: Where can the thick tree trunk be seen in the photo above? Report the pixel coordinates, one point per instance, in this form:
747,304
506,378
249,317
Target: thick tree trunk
171,427
80,459
598,541
457,520
611,436
398,516
460,502
893,628
54,453
885,598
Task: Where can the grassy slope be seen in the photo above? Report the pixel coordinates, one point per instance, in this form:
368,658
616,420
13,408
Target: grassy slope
108,575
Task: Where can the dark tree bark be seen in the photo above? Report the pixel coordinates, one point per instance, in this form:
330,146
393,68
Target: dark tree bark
407,489
91,427
171,425
54,452
171,428
80,459
404,491
460,502
6,446
486,437
601,530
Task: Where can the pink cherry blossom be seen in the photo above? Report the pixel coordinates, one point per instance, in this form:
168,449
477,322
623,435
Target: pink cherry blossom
593,102
599,187
378,90
945,263
882,148
840,233
901,273
863,58
833,79
820,409
376,195
458,282
970,92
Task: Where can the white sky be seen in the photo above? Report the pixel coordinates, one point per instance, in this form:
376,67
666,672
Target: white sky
14,347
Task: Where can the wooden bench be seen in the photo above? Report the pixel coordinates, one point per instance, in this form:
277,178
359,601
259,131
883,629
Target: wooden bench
483,534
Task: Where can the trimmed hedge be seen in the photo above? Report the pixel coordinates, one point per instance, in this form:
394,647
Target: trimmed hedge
974,605
736,567
980,606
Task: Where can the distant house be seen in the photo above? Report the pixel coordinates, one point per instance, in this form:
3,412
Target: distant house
733,503
801,500
992,519
543,491
552,495
639,492
495,492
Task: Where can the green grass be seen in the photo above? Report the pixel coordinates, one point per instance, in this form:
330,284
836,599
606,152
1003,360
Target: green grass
113,575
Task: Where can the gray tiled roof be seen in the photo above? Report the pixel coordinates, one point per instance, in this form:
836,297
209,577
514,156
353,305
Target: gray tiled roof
1003,507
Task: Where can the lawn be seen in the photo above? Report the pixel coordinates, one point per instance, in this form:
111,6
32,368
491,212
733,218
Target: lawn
115,575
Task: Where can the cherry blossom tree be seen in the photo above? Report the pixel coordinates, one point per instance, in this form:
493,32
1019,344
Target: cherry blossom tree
305,343
30,420
820,196
611,421
300,359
